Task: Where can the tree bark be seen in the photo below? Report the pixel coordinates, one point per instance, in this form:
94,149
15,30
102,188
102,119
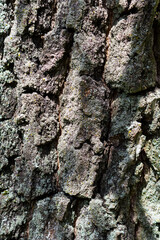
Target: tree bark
79,120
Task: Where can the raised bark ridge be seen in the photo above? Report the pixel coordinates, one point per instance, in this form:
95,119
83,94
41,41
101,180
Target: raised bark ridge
79,119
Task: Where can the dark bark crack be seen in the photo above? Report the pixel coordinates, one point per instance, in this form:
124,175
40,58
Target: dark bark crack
110,23
9,168
128,12
110,95
156,42
30,90
60,93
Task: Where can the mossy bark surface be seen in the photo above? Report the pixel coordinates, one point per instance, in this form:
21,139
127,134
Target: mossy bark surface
79,120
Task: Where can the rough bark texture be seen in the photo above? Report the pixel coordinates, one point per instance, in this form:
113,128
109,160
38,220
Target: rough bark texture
79,119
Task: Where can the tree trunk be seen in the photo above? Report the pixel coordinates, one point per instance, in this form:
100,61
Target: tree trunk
80,120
